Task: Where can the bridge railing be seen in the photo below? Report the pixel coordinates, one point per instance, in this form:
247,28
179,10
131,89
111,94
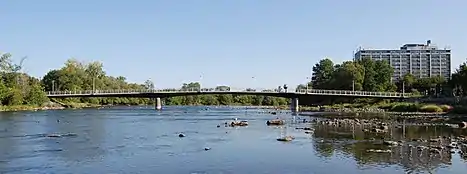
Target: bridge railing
355,93
207,90
121,91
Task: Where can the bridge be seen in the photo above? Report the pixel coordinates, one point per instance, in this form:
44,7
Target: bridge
163,93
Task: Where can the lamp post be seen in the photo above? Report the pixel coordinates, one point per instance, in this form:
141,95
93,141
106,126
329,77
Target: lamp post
94,83
403,88
200,78
353,85
254,83
308,80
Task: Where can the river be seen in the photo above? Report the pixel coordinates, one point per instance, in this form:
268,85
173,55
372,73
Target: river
142,140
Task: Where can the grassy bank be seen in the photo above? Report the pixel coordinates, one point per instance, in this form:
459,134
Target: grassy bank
397,107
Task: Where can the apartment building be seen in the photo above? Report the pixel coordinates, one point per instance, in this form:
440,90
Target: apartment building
421,60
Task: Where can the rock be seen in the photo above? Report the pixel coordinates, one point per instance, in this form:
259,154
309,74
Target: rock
463,124
54,135
181,135
390,143
384,127
379,151
432,150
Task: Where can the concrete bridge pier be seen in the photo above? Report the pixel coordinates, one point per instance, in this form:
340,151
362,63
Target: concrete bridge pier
294,105
158,103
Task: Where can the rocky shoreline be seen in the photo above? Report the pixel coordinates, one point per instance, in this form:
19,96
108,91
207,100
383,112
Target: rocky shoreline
374,131
368,111
46,106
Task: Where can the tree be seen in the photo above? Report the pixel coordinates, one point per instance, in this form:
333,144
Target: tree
348,76
36,95
17,88
407,81
322,73
383,75
148,84
369,82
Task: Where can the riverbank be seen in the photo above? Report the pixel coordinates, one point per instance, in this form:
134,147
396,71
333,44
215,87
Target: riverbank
395,108
424,113
47,106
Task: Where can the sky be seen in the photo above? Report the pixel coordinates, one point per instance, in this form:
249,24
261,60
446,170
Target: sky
221,42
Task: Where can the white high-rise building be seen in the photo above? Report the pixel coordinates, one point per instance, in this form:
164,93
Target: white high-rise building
421,60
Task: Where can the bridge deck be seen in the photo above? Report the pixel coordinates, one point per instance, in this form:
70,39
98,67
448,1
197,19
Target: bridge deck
123,92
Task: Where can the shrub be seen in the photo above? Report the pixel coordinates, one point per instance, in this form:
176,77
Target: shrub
431,108
446,108
404,107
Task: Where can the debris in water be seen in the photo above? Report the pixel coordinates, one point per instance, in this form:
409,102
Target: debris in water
286,138
275,122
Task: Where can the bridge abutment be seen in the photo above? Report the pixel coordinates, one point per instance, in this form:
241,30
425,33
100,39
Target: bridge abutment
158,103
294,105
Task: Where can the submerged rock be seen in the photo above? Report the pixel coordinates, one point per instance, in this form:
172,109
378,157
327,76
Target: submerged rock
379,151
275,122
391,143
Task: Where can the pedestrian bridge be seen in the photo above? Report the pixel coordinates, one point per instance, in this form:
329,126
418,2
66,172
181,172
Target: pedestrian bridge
294,95
196,91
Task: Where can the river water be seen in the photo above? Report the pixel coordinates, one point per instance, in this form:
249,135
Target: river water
142,140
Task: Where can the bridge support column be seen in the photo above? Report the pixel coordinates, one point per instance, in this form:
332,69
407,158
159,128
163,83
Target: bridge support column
158,103
294,105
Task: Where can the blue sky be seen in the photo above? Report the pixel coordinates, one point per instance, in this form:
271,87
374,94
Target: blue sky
227,42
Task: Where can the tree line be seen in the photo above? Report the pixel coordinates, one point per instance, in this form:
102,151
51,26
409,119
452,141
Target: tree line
375,75
19,88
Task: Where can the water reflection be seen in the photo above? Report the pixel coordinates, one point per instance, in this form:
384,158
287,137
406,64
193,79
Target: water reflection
141,140
355,141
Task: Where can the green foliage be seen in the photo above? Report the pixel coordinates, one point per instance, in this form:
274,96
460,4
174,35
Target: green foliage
405,107
323,73
80,76
431,108
36,95
227,99
446,108
17,88
375,75
75,75
414,107
365,74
